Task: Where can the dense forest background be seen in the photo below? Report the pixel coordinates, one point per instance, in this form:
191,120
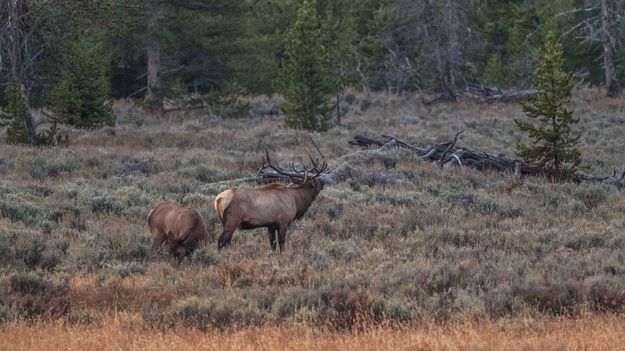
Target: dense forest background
173,49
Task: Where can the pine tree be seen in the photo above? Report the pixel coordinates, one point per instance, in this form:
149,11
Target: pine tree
80,97
14,117
553,146
307,84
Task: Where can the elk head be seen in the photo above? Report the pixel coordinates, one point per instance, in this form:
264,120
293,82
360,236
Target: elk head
175,245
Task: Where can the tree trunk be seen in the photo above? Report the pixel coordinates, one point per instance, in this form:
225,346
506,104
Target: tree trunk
20,62
28,119
447,52
154,96
607,38
338,109
452,45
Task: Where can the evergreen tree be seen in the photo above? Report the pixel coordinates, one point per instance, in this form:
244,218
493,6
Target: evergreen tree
307,84
80,97
553,147
14,116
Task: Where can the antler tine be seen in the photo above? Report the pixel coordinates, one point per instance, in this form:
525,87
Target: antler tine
315,145
311,159
264,166
324,163
323,167
292,175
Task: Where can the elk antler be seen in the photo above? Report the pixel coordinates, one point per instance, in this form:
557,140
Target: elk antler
294,176
301,176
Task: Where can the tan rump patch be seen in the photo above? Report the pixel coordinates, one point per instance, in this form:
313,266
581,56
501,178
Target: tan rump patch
222,201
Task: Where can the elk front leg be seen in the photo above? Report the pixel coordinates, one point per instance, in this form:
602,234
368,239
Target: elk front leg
282,237
226,235
157,242
271,230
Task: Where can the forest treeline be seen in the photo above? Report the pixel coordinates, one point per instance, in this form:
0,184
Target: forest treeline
58,53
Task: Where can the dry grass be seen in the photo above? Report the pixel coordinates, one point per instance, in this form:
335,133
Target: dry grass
122,333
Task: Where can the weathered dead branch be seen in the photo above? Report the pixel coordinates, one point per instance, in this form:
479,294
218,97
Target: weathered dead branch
447,154
489,96
484,95
618,181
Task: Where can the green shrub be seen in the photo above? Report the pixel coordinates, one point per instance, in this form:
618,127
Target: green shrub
205,257
34,296
125,246
227,104
123,165
127,269
593,195
18,210
41,168
6,164
106,203
586,241
399,310
562,203
144,165
6,314
220,312
607,293
558,298
83,317
31,252
29,283
7,245
349,310
384,158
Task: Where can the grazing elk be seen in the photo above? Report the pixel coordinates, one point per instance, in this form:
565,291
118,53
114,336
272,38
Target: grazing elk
273,205
180,229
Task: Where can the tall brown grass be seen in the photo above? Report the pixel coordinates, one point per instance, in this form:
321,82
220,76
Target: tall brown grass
594,333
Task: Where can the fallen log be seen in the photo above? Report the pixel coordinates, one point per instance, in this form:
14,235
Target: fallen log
618,181
448,154
491,96
484,95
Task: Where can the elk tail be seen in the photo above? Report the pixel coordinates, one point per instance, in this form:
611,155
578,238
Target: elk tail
150,214
222,202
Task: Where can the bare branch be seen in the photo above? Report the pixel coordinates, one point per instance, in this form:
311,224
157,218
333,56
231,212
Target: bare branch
451,146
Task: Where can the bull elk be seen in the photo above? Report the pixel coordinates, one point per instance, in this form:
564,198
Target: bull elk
273,205
179,229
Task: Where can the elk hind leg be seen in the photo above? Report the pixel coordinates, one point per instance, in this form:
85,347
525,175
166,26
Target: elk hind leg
271,230
282,237
226,235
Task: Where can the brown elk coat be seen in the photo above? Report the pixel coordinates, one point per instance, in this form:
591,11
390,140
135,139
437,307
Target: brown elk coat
273,206
182,229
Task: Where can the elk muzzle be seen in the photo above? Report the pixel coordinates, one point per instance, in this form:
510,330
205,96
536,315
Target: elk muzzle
224,240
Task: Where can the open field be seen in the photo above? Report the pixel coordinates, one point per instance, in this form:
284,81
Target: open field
393,242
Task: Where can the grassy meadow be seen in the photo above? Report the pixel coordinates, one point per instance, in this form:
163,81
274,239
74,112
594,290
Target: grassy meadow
397,254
